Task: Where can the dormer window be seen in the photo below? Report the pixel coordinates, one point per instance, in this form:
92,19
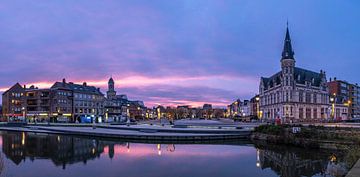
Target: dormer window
313,81
299,77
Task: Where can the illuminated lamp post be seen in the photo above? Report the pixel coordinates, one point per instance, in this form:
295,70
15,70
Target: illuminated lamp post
107,115
23,111
159,114
257,99
332,101
348,104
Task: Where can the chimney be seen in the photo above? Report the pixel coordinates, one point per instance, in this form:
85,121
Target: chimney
334,78
64,81
24,86
84,84
330,79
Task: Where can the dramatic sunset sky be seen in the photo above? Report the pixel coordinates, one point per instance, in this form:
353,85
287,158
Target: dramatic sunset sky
174,51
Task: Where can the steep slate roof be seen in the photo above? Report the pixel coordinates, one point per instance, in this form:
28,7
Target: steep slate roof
272,81
300,76
111,80
307,75
288,52
77,87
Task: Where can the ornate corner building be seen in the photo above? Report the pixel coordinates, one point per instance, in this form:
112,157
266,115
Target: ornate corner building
294,94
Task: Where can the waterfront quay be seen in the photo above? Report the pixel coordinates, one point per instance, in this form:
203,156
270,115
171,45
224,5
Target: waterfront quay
199,131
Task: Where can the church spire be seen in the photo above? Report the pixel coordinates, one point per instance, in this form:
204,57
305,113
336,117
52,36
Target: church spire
288,52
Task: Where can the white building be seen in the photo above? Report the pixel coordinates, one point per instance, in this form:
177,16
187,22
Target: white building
294,94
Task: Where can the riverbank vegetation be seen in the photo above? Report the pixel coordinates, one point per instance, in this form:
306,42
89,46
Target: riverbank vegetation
308,136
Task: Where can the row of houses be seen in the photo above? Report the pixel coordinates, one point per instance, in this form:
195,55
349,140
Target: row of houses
244,109
68,102
183,112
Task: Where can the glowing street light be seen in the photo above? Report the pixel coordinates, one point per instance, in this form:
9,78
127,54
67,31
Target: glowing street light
332,100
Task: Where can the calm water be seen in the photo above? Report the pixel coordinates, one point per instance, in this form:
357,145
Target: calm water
42,155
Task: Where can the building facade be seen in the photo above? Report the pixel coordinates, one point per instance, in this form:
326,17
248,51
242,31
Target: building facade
37,103
294,94
254,106
86,102
346,94
119,108
13,102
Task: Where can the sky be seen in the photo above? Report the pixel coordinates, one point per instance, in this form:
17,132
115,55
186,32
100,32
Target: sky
178,52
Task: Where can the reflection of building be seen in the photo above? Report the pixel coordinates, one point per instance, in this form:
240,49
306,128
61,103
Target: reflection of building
289,162
61,150
293,94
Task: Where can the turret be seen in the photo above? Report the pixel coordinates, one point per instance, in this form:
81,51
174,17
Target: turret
287,60
111,88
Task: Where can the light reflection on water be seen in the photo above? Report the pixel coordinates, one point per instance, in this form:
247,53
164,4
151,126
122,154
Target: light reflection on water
28,154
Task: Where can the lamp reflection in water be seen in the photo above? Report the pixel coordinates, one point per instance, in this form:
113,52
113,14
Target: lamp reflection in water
159,149
23,139
258,158
128,147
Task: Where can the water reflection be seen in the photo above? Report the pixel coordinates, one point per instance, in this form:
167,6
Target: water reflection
296,162
62,150
189,160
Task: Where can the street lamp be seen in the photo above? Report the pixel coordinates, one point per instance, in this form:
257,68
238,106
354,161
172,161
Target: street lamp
258,107
332,101
107,115
24,116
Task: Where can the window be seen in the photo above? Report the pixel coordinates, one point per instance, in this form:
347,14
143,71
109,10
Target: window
315,114
308,113
301,113
301,94
322,112
287,96
287,81
315,98
308,97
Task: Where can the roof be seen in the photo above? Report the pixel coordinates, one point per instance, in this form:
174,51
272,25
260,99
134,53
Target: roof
301,76
288,52
17,85
111,80
273,80
77,88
